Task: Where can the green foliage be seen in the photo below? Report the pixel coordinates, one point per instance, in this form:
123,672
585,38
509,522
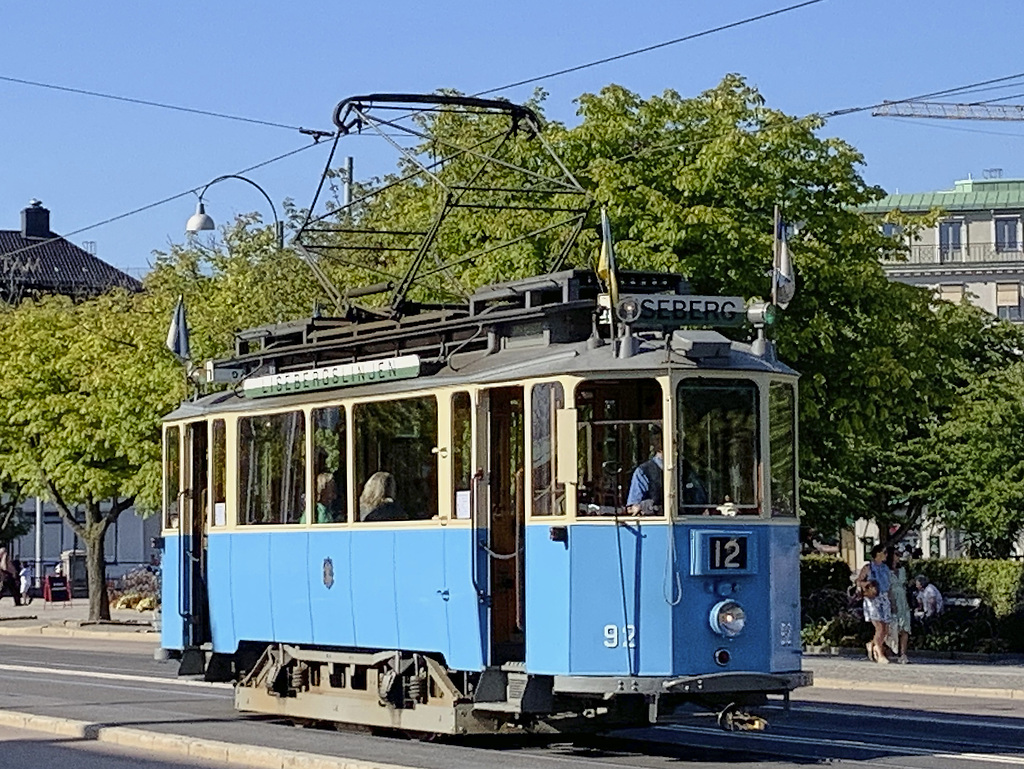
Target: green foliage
999,583
981,491
821,572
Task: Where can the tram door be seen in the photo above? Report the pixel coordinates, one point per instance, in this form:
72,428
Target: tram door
195,609
502,413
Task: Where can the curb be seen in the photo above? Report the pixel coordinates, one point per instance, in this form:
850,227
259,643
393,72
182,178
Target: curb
181,745
149,636
944,691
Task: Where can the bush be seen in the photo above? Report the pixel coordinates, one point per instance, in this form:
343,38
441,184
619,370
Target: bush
823,572
999,584
138,589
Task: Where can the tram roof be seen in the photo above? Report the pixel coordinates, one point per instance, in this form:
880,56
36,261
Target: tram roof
689,350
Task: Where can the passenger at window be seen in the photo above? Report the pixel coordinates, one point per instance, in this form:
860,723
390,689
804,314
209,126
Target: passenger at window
646,489
377,502
327,509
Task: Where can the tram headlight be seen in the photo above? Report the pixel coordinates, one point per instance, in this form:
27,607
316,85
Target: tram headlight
728,618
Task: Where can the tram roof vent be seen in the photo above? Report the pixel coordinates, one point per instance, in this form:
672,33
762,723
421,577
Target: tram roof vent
702,346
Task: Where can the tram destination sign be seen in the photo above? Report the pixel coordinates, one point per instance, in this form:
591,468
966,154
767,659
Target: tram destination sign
331,377
673,310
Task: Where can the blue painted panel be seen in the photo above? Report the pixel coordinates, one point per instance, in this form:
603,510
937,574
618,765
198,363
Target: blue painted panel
620,620
547,601
331,606
218,585
464,611
172,627
251,573
289,586
374,601
419,561
784,552
695,641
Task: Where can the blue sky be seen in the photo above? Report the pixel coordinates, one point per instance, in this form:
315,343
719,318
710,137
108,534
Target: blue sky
90,159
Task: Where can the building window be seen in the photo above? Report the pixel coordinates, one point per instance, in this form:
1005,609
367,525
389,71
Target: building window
952,292
949,241
1006,234
1008,301
891,230
933,546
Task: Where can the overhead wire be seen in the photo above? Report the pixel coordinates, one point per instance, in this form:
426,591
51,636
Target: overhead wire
649,48
318,134
148,206
148,103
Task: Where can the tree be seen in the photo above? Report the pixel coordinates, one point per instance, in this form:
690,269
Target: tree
981,490
690,185
12,525
81,393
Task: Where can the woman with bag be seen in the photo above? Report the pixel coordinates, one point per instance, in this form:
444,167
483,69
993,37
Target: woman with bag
873,581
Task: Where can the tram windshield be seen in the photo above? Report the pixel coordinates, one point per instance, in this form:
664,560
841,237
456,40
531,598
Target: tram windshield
620,448
717,467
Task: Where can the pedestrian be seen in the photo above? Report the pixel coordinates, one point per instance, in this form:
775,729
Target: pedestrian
929,600
873,581
25,575
8,576
898,637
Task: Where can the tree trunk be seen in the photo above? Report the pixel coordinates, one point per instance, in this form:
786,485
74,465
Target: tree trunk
96,573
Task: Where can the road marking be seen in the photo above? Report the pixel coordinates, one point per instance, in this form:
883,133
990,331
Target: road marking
931,719
856,744
116,676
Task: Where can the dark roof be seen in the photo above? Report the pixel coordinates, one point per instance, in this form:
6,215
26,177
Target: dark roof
55,266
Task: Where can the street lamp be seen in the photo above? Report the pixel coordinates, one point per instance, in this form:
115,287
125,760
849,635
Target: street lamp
201,220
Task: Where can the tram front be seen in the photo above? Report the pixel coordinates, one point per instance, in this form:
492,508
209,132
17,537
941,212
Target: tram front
681,562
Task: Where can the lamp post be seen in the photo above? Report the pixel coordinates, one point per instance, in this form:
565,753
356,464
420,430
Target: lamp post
201,220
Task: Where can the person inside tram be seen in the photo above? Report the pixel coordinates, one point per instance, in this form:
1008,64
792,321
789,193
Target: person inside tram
646,489
327,509
377,502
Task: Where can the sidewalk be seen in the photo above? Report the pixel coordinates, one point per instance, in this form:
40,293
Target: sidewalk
997,679
57,619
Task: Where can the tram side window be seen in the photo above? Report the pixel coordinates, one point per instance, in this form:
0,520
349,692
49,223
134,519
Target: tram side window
172,477
619,447
462,454
718,447
782,444
548,494
396,459
271,468
330,466
219,477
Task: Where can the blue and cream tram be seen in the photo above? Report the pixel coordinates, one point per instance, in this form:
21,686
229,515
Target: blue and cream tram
511,581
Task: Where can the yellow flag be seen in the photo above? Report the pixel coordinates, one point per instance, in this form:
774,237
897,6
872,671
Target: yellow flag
606,262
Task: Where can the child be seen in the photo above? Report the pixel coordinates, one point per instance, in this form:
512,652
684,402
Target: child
26,582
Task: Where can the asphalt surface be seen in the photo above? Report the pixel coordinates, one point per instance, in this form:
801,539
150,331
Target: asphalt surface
931,713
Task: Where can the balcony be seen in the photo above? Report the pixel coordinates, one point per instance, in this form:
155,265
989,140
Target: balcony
973,254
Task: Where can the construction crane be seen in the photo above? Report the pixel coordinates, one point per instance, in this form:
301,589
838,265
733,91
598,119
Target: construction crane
949,110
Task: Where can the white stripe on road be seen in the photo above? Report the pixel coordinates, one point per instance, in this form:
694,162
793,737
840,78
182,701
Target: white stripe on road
855,744
115,676
903,717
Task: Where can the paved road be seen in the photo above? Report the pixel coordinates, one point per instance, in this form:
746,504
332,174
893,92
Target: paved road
893,716
116,681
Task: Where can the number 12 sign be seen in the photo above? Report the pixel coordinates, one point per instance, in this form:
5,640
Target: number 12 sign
723,552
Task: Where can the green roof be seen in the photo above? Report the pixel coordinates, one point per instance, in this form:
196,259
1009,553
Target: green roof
967,195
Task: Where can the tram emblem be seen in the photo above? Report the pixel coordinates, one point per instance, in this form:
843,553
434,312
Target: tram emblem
328,573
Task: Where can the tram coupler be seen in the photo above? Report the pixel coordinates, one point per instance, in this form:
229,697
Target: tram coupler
732,719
